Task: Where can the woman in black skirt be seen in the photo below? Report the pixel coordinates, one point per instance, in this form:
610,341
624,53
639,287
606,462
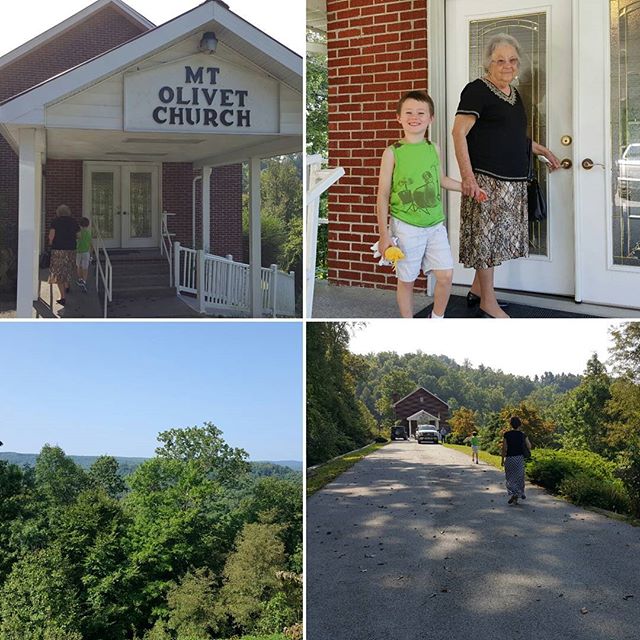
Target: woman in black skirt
491,145
513,444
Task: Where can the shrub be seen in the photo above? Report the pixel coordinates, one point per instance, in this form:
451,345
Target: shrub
586,490
549,468
628,471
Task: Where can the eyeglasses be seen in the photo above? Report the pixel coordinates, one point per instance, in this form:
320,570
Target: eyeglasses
513,62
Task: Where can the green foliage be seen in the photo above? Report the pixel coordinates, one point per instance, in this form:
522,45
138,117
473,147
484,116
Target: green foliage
393,386
583,489
82,559
317,104
105,473
549,468
336,421
628,471
250,579
625,350
462,422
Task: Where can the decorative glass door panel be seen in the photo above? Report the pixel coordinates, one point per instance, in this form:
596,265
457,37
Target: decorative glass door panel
544,84
123,202
625,131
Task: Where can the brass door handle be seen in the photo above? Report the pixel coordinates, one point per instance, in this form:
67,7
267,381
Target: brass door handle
588,164
566,163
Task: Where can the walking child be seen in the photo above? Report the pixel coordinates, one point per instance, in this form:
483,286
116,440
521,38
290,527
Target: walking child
83,252
409,189
474,441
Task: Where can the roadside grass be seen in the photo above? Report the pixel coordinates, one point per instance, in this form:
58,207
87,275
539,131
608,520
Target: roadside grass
485,456
325,473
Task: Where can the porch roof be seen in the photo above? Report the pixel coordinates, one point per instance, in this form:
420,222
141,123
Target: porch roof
84,110
422,414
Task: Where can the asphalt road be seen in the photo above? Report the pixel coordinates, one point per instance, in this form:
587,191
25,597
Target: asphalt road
416,543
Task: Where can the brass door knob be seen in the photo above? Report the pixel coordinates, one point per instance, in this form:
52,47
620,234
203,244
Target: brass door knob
566,163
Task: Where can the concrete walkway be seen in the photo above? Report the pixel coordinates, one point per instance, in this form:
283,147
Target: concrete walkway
330,301
416,543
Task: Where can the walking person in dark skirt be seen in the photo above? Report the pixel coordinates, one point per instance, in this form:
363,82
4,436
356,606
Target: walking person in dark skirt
62,239
513,449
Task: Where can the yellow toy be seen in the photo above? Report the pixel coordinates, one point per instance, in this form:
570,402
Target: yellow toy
393,254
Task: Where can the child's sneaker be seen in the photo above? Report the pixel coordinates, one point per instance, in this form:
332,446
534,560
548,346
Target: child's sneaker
82,284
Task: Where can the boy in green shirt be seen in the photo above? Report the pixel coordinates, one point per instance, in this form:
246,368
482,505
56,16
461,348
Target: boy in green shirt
474,441
83,252
409,190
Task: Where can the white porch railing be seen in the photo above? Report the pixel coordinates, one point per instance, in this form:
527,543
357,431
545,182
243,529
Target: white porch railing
104,274
318,181
166,243
220,284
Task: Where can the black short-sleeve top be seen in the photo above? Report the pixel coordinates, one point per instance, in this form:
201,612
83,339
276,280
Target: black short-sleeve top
515,442
66,229
497,142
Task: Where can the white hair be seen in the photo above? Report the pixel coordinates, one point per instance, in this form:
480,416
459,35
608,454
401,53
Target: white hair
496,41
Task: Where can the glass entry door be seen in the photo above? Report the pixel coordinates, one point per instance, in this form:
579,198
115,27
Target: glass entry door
545,85
123,202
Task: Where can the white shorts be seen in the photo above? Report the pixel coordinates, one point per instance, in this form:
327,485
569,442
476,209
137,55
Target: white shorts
425,248
474,448
82,260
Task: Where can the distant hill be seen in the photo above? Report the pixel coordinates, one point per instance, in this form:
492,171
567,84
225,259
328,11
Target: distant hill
128,465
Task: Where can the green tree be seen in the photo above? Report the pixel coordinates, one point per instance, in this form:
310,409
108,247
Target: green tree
38,601
581,413
250,574
192,612
336,421
462,422
317,99
393,386
623,409
624,353
105,473
58,478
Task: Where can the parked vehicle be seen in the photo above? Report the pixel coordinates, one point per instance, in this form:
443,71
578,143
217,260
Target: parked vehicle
427,433
629,173
398,431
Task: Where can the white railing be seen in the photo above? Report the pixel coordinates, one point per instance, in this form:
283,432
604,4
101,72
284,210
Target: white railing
166,243
220,284
318,181
104,275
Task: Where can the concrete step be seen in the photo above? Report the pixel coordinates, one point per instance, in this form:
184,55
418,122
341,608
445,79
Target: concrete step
135,291
139,280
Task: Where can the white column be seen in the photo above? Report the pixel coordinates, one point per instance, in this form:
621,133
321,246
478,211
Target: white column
28,210
206,208
255,236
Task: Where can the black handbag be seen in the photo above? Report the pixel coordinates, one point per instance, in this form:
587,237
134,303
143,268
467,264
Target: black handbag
536,202
45,259
526,452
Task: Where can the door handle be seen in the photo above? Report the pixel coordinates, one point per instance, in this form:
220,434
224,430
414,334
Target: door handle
588,164
124,213
566,163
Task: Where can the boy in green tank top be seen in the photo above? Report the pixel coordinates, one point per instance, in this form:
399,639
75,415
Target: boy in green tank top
409,190
83,252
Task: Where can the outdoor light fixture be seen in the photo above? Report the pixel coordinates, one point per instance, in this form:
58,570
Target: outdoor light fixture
209,42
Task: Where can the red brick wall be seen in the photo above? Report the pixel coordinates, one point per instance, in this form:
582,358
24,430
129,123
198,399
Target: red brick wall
376,52
226,212
104,30
63,185
226,206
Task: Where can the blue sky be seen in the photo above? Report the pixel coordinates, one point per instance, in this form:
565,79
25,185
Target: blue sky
110,388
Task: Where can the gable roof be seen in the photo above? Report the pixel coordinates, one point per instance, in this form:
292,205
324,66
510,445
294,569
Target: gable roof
27,108
422,414
71,22
415,391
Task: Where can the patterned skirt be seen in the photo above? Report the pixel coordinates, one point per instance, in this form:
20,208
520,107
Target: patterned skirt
514,474
62,269
497,229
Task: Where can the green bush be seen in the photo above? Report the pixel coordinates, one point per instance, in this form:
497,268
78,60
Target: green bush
586,490
549,468
628,471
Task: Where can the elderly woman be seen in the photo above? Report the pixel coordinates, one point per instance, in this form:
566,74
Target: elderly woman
62,239
492,149
513,450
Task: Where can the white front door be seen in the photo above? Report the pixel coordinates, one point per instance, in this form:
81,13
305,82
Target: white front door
607,79
543,30
123,201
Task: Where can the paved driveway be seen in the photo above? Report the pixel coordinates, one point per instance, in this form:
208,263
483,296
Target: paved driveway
416,543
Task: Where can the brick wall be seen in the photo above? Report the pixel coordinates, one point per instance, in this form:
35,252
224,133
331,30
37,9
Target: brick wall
226,206
63,185
376,52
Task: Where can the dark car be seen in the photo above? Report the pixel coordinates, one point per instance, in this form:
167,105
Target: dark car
399,432
427,433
